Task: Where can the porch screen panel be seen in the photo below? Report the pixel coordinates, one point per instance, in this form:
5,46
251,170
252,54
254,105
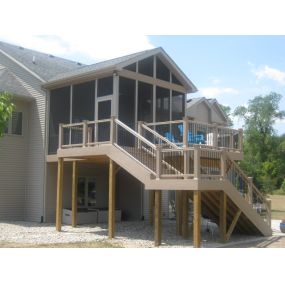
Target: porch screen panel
178,112
163,110
146,66
59,113
145,102
162,72
105,86
83,106
127,107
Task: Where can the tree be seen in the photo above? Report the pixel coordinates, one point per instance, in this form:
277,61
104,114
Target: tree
264,155
6,109
227,111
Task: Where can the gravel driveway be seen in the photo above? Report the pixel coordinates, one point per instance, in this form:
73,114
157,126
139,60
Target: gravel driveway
128,234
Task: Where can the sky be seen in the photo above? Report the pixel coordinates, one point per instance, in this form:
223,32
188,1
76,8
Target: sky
232,69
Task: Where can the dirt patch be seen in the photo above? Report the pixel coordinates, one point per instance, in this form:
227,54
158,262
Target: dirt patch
277,206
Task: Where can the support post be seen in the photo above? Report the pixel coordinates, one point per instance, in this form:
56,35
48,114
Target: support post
223,216
85,133
185,226
223,164
158,161
59,194
185,131
197,219
268,202
178,202
157,219
60,136
74,194
197,162
151,206
111,210
112,130
249,193
186,158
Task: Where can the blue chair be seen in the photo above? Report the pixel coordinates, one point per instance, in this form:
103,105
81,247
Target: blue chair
169,136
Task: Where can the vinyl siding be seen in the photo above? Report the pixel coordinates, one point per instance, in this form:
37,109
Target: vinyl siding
36,134
13,174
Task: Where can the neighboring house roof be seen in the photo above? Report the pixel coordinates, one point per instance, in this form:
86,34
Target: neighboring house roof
119,63
194,101
9,82
216,105
43,65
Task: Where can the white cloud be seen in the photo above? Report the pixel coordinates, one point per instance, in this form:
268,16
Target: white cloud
211,92
95,48
270,73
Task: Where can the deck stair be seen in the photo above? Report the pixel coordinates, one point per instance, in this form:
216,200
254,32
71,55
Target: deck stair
162,164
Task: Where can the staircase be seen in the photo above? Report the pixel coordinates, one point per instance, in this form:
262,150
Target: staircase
161,164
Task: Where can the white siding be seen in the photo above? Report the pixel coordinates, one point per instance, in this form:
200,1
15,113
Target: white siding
13,174
35,152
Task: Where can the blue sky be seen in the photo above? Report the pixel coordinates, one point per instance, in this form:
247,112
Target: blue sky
232,69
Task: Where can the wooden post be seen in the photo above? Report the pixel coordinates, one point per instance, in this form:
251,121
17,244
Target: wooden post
112,130
268,201
178,203
249,193
59,193
151,206
215,135
111,210
197,162
85,133
223,164
157,219
186,157
74,194
223,216
185,226
60,136
158,161
197,218
185,131
233,224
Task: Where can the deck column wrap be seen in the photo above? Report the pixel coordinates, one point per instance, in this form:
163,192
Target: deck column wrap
197,218
59,194
111,210
157,219
74,193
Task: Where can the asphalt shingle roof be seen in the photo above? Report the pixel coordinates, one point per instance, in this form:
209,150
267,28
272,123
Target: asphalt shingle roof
10,83
46,66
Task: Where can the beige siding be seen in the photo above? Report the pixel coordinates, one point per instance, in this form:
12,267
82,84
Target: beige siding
13,174
200,112
35,151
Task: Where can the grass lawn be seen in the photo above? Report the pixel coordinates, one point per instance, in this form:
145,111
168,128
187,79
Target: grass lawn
277,207
97,244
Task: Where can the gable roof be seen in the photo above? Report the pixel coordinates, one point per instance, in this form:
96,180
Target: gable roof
216,105
43,65
9,82
119,63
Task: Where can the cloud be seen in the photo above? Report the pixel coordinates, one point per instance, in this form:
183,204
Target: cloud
91,48
211,92
270,73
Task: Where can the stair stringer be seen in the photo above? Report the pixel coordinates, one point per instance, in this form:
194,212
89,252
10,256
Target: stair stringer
246,208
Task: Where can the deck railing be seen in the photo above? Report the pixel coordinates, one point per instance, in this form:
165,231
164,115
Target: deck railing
188,133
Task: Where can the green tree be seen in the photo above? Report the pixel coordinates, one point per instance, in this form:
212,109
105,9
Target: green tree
6,109
264,156
227,111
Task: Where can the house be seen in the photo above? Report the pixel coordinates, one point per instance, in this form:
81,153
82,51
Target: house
109,141
206,110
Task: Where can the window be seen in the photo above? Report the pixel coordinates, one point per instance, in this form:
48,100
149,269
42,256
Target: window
15,124
86,192
146,66
17,119
105,86
162,72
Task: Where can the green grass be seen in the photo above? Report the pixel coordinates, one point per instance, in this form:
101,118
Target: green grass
277,207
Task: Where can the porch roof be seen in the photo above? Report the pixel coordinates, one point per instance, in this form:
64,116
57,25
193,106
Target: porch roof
117,64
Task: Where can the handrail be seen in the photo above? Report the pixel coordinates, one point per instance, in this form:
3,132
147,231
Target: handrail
135,134
160,137
164,123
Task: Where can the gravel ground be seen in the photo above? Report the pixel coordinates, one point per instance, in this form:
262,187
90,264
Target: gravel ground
128,234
